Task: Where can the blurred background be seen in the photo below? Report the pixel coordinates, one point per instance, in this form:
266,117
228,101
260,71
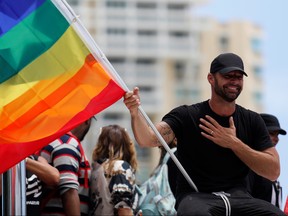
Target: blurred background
165,48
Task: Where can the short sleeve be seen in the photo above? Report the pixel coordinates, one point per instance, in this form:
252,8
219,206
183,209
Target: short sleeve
122,184
66,158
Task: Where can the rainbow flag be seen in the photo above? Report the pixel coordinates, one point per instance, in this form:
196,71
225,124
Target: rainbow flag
50,80
286,206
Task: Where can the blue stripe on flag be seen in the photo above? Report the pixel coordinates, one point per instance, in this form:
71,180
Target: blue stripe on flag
14,11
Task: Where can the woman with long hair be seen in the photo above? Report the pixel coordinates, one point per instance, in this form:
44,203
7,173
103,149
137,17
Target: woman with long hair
113,173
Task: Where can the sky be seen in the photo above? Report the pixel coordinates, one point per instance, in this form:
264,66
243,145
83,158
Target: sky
271,16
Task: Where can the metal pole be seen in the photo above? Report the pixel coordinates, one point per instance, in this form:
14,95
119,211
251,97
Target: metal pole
7,192
20,200
14,190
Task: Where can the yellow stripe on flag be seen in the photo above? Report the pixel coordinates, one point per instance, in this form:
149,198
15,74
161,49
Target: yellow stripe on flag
66,101
56,66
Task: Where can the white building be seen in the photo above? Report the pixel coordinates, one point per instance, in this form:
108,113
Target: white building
163,49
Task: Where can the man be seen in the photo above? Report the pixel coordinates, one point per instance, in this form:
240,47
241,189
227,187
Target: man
67,155
218,142
260,187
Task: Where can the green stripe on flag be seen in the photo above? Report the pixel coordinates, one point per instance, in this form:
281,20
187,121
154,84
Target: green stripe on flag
30,38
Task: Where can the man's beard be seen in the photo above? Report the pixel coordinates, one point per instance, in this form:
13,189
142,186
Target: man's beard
229,97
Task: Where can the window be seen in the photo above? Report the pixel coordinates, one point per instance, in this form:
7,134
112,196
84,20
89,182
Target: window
257,70
73,2
116,4
146,88
146,5
178,7
256,45
257,96
178,34
179,68
116,60
147,32
113,116
187,93
224,43
145,61
116,31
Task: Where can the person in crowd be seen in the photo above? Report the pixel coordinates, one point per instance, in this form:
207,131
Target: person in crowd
68,156
172,168
218,142
39,174
260,187
113,173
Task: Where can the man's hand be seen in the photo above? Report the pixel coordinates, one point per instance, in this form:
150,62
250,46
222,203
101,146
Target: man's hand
222,136
132,100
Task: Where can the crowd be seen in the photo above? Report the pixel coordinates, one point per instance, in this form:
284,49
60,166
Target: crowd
226,149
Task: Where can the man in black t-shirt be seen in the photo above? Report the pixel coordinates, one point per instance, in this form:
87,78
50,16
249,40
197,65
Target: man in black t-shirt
218,142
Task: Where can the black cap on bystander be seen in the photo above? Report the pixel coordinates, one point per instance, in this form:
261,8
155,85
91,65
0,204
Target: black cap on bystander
272,123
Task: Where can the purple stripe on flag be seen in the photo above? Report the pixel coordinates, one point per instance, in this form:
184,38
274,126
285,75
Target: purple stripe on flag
14,11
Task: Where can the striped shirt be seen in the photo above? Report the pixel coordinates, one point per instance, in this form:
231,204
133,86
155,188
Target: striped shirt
33,191
67,155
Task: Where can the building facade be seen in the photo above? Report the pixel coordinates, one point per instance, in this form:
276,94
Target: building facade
164,49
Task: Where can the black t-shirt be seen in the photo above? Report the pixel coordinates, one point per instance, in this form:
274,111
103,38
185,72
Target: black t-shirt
211,167
262,188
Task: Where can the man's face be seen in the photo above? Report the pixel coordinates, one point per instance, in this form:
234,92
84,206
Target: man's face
81,130
229,85
274,137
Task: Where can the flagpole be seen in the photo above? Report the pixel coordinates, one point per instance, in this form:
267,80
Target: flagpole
70,15
14,190
20,201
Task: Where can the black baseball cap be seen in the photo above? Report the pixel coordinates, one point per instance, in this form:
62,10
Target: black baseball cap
272,123
227,62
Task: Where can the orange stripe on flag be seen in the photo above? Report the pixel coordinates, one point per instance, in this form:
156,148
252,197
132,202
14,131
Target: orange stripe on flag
19,149
45,94
69,99
111,93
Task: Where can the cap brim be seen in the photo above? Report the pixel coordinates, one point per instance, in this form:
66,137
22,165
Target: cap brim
229,69
275,128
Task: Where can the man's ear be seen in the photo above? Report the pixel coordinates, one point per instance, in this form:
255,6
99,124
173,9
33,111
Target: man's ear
210,78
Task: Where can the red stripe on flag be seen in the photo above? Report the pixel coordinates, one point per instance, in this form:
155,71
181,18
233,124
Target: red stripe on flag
13,153
286,206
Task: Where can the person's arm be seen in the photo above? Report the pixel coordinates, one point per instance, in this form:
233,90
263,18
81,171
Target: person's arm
144,135
66,159
44,171
265,163
121,188
71,202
